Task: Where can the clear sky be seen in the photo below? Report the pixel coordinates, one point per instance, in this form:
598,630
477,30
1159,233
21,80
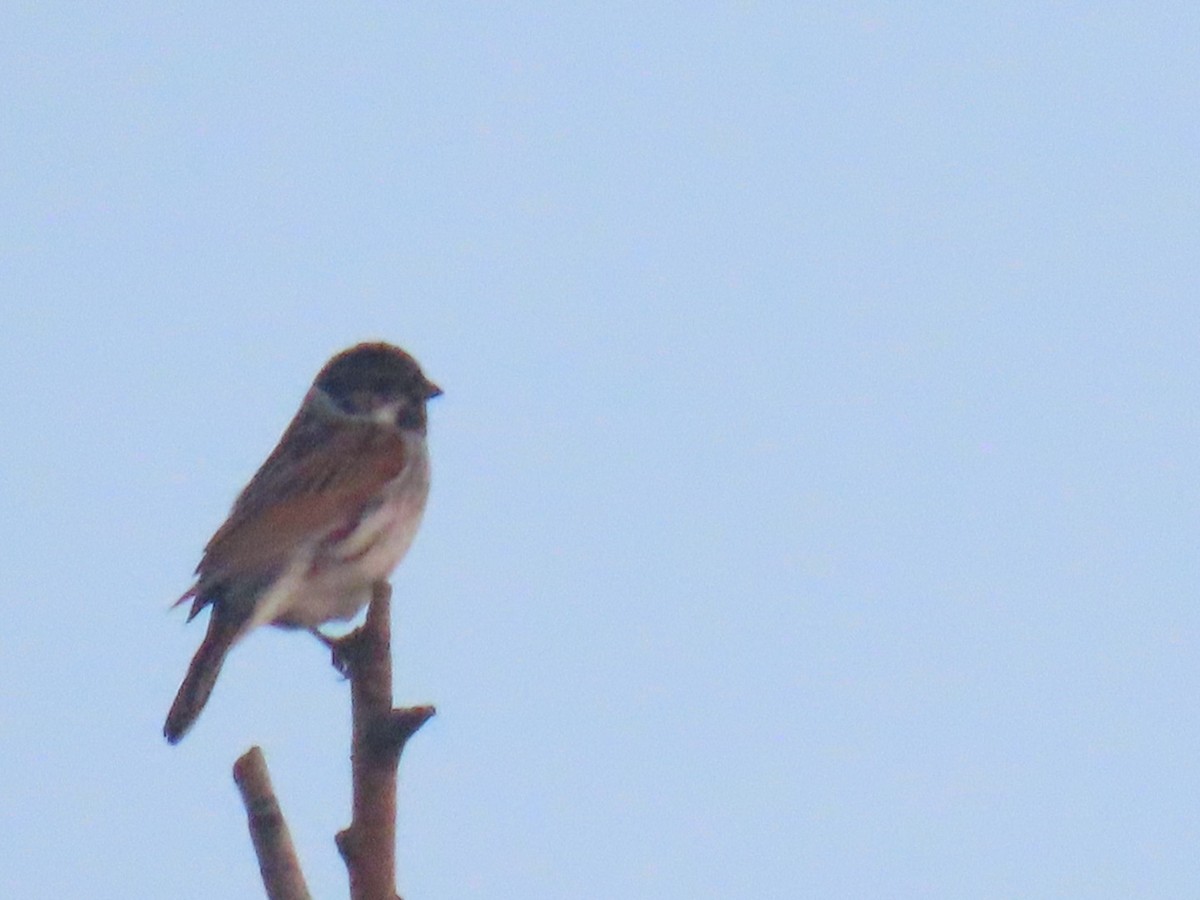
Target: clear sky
815,486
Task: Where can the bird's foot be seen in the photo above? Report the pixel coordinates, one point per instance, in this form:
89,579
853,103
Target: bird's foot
341,649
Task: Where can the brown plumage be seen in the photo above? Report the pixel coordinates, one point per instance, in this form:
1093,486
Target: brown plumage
332,510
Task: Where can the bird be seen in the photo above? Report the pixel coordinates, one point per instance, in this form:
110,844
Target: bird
332,511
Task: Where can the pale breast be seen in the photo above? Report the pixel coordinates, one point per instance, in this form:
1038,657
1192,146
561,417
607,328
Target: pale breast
339,576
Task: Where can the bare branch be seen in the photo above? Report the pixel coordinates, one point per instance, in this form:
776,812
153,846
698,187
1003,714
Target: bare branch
380,732
277,860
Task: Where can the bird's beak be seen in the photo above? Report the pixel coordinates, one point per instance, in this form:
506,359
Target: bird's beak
432,390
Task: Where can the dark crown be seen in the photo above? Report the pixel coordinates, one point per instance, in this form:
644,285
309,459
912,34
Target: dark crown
377,369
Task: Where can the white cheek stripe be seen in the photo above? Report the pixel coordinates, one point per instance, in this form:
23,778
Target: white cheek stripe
386,414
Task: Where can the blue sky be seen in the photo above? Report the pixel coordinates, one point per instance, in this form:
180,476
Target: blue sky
814,488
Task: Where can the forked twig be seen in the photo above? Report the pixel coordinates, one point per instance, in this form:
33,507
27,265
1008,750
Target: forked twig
379,733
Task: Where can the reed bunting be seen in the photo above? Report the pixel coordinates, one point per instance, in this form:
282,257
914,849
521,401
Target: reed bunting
332,510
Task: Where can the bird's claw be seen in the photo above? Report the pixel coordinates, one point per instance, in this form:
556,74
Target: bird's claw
340,650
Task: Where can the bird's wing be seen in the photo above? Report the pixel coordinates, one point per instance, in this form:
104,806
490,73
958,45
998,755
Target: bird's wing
320,477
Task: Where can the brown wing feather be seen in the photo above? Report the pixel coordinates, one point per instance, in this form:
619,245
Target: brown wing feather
322,473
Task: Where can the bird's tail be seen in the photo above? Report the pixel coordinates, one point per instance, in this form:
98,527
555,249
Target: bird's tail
201,674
